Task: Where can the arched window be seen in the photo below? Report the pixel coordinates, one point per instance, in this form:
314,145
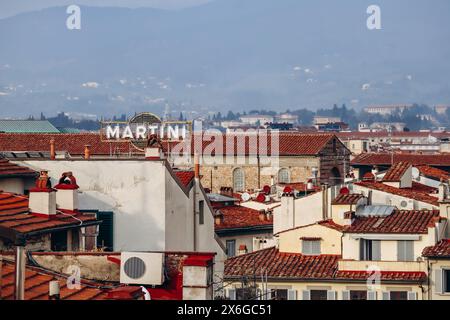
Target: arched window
238,180
284,176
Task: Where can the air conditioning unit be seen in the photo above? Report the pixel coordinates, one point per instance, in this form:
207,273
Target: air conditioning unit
145,268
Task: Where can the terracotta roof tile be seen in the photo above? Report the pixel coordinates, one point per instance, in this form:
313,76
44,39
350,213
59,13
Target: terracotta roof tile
282,265
241,217
441,159
396,172
418,191
347,198
325,223
440,250
37,285
14,214
293,266
185,177
400,221
9,169
431,172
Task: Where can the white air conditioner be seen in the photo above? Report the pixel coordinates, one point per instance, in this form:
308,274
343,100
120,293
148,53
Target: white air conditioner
142,268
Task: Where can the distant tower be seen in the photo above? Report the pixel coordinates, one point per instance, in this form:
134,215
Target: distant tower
167,112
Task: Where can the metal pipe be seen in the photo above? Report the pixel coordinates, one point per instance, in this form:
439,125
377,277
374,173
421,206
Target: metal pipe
1,276
19,288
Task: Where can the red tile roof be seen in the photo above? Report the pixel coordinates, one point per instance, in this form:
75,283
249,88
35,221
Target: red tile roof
431,172
14,215
441,159
400,221
440,250
72,142
185,177
418,191
37,285
9,169
241,217
282,265
347,198
326,223
385,134
384,275
294,266
396,172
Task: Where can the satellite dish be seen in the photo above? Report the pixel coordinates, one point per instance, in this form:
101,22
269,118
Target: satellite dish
245,196
415,173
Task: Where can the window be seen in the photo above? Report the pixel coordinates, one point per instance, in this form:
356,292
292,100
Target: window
201,212
231,248
370,250
398,295
284,176
105,238
319,294
311,247
446,278
405,250
238,180
279,294
59,241
358,295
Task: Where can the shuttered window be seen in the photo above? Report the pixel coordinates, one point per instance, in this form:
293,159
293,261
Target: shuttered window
370,250
231,248
405,250
238,180
284,176
311,247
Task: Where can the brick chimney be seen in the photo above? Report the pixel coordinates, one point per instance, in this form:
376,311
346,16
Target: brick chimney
67,195
262,215
42,201
197,166
218,218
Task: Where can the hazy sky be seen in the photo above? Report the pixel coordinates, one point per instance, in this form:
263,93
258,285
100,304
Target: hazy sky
13,7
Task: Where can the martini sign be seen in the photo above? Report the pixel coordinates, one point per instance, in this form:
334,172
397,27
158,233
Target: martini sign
141,127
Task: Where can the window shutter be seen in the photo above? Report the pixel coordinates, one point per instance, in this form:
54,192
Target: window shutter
232,294
316,247
292,294
362,255
331,295
345,295
269,294
412,295
386,295
259,295
376,250
405,250
409,250
371,295
306,295
438,281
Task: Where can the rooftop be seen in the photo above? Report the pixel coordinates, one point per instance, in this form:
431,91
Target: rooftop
431,172
417,192
396,172
440,250
301,267
9,169
347,198
400,221
37,285
185,177
236,217
27,126
370,159
15,217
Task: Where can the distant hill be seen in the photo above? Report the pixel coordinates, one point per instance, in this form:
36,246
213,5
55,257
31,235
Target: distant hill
233,54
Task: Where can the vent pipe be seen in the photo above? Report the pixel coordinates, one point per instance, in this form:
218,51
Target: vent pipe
19,287
52,149
53,290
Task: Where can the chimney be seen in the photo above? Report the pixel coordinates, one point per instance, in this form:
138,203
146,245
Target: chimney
154,153
197,166
87,152
262,215
42,199
67,195
52,149
53,290
325,201
218,219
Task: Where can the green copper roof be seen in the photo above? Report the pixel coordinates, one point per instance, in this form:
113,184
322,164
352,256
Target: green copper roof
27,126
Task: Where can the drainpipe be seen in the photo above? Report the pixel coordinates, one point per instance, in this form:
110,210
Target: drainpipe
194,197
1,276
52,149
259,170
19,287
